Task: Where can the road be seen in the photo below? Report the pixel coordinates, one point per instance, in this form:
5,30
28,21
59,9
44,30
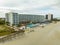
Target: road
49,35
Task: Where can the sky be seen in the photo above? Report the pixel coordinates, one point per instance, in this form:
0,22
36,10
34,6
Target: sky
41,7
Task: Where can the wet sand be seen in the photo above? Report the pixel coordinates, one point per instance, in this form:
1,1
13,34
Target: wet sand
49,35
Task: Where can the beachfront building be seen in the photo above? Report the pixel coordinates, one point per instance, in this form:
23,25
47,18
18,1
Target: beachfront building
15,18
30,17
49,16
12,18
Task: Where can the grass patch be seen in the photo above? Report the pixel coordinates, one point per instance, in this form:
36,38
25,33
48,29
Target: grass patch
4,30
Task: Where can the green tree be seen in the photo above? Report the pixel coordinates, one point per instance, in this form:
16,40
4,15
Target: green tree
7,23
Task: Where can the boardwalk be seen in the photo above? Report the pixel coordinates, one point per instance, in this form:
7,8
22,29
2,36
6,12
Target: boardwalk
49,35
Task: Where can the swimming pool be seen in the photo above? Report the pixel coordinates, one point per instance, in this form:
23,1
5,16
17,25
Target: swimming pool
31,25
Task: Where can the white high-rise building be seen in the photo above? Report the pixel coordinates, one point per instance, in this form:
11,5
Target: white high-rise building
49,16
12,18
15,18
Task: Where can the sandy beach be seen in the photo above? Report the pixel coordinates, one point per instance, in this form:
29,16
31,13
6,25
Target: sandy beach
49,35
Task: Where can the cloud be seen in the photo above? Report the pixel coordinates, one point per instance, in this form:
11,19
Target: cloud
30,6
26,4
